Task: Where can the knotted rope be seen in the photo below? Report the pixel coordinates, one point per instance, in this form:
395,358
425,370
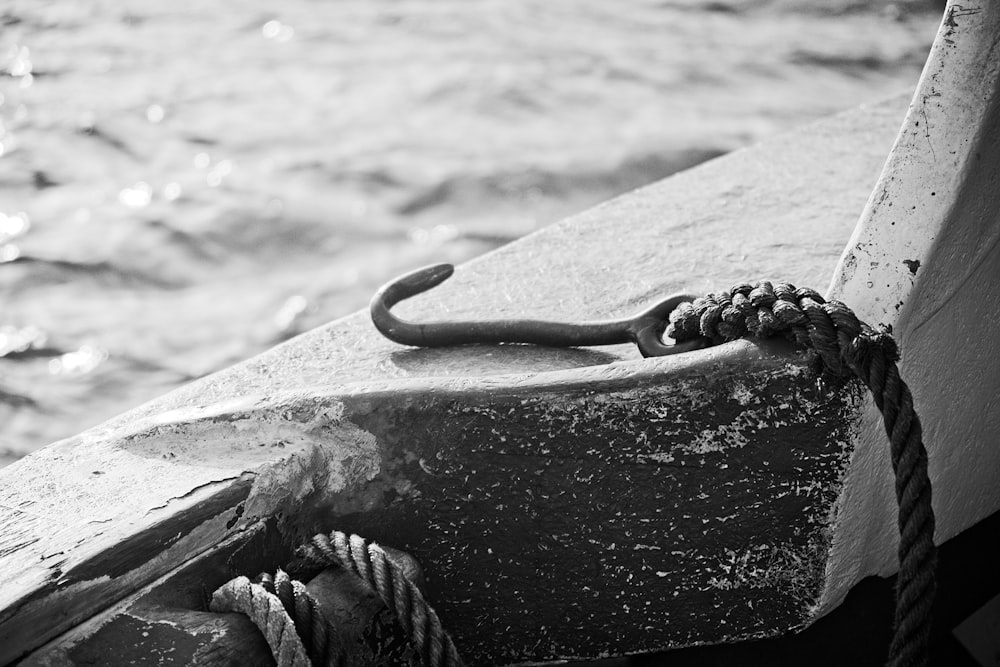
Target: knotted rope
845,345
295,627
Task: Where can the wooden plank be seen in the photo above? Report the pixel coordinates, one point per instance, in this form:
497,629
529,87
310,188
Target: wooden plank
548,512
319,432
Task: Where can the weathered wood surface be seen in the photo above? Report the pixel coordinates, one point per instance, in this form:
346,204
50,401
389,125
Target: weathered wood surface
547,510
925,259
557,510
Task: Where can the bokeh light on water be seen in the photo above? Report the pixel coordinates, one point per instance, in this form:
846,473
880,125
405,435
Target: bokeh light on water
184,184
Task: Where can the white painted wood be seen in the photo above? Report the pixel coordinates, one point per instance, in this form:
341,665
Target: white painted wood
925,259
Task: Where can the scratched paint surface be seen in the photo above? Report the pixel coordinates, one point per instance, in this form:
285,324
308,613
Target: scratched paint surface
575,525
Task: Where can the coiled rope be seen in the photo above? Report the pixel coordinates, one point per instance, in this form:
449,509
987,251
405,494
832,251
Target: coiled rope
294,626
845,345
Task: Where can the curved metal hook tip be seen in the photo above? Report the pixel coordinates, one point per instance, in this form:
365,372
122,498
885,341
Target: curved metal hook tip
644,329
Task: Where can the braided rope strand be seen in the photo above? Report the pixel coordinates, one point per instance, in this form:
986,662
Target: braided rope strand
846,345
319,635
268,614
370,563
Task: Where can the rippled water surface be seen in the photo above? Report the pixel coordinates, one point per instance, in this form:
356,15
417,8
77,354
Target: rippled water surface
184,184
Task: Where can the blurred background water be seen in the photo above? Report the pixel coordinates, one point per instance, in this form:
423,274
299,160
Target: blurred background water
185,184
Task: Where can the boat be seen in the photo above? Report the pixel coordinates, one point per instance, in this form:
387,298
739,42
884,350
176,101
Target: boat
575,503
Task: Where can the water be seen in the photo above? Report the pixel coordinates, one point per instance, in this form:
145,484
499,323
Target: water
184,184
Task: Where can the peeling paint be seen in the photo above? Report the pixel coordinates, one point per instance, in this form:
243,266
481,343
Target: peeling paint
318,453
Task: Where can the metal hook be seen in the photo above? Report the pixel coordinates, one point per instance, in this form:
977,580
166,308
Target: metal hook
644,329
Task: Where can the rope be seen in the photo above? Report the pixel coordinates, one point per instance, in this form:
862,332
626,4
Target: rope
369,562
318,635
290,618
846,345
268,614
